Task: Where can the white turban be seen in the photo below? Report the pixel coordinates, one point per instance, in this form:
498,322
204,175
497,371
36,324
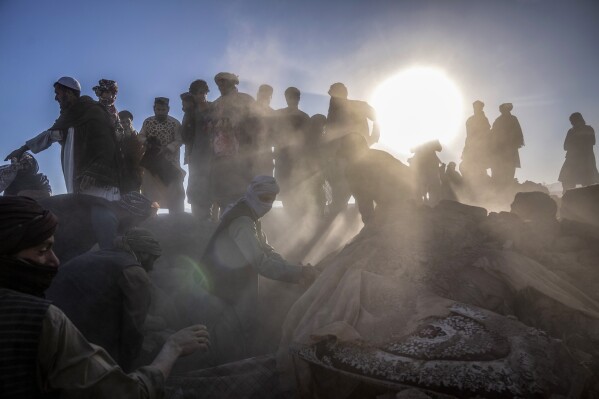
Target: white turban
261,185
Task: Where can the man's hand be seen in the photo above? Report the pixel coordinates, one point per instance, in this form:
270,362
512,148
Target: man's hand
16,154
190,339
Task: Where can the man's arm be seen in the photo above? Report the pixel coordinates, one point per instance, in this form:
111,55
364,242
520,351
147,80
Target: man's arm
267,263
178,140
69,364
37,144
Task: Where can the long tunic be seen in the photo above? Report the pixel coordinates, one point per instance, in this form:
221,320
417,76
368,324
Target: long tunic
580,165
476,147
506,138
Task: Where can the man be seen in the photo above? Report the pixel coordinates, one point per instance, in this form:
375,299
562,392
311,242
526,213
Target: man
132,152
162,180
292,130
238,252
90,160
580,166
350,116
376,179
345,116
506,139
475,157
266,120
234,126
107,90
197,148
106,293
45,353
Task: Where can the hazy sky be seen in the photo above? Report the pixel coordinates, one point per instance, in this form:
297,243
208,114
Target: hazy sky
542,56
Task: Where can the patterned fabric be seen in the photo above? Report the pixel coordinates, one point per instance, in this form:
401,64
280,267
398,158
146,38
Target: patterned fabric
250,378
162,132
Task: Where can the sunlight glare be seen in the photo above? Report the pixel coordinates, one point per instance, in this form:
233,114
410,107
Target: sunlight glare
415,106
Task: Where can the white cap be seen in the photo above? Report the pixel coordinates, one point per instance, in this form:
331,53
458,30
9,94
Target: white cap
69,82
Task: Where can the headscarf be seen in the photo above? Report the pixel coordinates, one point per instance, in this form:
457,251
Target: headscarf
23,224
142,240
106,85
261,185
226,76
506,106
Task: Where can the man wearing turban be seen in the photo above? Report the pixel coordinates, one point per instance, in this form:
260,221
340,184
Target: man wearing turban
238,252
44,352
506,139
106,293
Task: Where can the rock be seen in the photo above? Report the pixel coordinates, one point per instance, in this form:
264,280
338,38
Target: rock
568,244
534,206
581,204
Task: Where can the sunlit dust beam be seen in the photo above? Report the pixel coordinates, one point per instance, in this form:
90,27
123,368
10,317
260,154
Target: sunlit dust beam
200,276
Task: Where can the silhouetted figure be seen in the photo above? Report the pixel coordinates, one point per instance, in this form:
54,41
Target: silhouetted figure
377,180
292,129
107,294
345,116
506,139
475,156
233,126
238,253
196,132
132,152
312,179
25,180
106,90
580,166
89,154
451,183
350,116
163,176
425,164
264,160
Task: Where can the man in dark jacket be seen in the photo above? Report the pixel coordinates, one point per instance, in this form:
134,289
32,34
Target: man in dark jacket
106,294
45,354
89,154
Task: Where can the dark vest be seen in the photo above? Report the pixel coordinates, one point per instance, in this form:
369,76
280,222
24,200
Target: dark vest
21,318
225,282
86,290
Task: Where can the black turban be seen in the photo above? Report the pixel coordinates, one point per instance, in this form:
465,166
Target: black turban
23,224
142,240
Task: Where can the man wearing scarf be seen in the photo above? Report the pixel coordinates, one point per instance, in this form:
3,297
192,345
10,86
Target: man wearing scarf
106,92
89,155
106,293
506,139
238,252
44,355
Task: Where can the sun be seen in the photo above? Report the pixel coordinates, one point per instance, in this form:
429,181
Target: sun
415,106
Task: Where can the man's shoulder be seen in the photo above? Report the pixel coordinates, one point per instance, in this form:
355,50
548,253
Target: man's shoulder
173,120
7,294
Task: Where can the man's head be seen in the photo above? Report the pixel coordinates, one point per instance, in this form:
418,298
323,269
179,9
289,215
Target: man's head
106,90
67,91
338,90
451,166
506,108
27,231
187,102
478,106
576,119
144,245
161,108
292,96
264,95
199,90
226,82
126,118
261,193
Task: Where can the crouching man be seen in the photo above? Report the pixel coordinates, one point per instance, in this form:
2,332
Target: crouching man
44,352
106,293
238,252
